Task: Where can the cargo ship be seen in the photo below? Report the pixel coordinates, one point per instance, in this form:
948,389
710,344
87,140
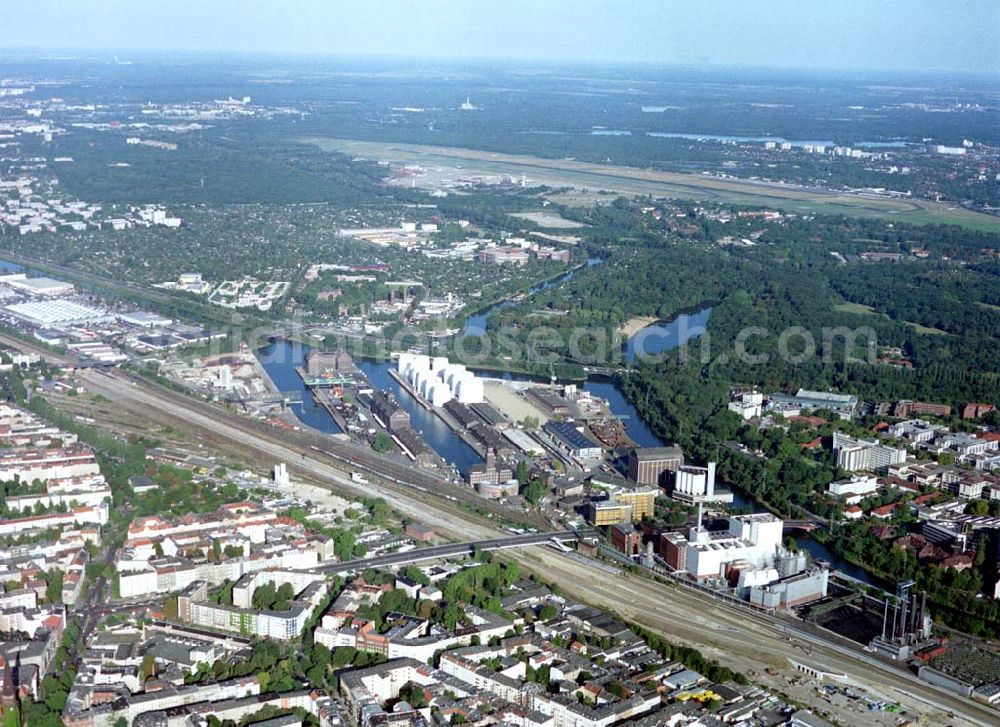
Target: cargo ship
610,432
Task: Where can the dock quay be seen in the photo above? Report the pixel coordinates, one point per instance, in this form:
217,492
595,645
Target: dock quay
441,414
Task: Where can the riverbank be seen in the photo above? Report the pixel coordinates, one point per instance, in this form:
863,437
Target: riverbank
635,324
475,323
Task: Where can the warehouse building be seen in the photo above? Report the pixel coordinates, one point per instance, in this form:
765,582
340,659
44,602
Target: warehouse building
47,287
56,312
572,440
649,465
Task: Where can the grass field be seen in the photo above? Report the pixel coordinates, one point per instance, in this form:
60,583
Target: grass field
457,162
549,220
859,308
866,310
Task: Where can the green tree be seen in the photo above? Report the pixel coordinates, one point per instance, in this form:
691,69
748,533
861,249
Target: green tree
383,443
53,587
535,491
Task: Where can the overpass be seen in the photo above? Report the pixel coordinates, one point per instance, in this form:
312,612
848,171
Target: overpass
451,550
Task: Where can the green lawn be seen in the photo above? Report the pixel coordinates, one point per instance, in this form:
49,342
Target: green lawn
866,310
858,308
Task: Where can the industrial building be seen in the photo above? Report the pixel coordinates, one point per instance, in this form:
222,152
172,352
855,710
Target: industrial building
572,440
439,381
703,554
56,312
388,412
47,287
696,484
748,404
649,465
803,586
144,319
843,405
489,472
609,512
624,504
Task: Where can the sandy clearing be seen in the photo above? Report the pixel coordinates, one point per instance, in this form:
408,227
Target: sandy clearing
512,403
635,324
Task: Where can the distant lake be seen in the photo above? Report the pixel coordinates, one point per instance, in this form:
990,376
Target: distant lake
722,137
895,144
661,337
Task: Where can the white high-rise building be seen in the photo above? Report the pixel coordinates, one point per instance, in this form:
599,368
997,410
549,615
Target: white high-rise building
855,455
225,377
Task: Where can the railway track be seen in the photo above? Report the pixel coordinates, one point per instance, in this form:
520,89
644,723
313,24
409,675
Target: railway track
324,458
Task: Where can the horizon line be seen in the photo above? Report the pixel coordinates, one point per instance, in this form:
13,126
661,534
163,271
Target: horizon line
7,52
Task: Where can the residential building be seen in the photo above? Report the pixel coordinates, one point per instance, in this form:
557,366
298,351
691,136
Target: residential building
855,455
975,410
907,408
854,489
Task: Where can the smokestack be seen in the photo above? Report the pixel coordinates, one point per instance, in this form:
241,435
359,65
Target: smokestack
885,617
904,602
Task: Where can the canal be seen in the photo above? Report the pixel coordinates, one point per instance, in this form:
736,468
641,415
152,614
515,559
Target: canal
435,432
476,325
281,357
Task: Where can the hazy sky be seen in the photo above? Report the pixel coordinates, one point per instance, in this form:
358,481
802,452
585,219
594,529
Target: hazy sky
953,35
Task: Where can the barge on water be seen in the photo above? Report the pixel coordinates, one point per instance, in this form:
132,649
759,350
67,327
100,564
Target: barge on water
324,380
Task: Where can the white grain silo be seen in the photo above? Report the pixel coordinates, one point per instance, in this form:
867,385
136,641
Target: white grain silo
470,389
440,394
